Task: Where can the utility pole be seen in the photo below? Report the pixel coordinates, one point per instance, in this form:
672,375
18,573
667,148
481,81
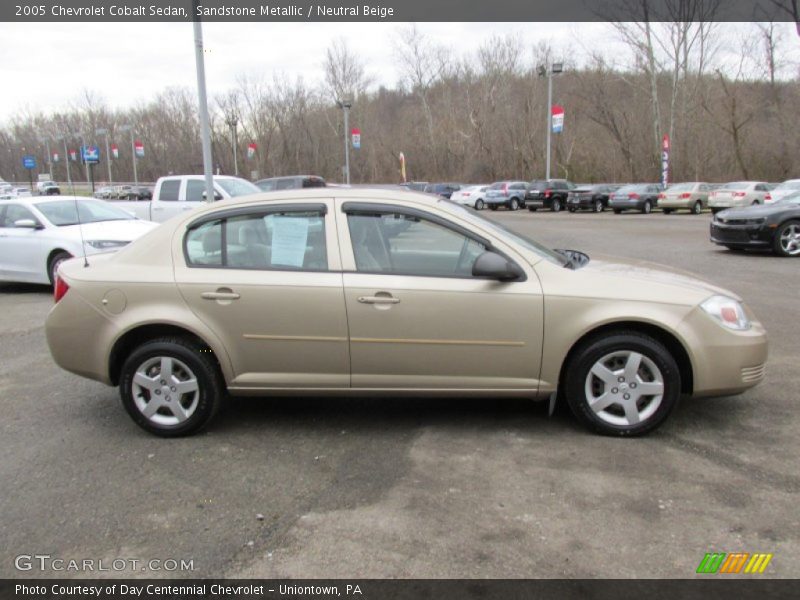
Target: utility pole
66,159
233,123
79,136
46,141
133,153
345,105
104,132
205,133
545,71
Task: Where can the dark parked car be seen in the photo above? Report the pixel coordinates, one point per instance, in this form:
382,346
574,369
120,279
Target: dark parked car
775,226
141,192
510,194
548,193
414,186
445,190
638,196
290,182
592,197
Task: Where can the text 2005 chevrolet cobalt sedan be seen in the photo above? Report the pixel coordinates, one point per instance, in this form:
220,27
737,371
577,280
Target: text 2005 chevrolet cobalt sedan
381,293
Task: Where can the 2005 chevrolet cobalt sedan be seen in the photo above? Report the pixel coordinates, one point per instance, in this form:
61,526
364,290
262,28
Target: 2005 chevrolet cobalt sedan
382,293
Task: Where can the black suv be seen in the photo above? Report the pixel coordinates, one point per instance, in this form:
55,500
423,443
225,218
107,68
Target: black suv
592,197
548,193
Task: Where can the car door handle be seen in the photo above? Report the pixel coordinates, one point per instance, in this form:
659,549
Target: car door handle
378,300
220,295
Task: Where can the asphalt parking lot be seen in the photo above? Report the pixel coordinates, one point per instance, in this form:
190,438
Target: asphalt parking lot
414,488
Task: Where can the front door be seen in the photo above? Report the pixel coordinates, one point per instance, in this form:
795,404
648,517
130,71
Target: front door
419,319
21,250
267,281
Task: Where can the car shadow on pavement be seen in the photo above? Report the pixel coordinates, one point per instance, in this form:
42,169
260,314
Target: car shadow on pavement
25,288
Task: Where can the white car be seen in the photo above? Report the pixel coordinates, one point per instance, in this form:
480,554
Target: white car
38,234
22,192
739,194
471,196
788,187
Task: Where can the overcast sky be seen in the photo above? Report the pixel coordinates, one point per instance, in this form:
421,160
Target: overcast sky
44,66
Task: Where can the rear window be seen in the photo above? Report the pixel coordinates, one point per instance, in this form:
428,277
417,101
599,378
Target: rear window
681,187
736,185
538,185
632,188
498,186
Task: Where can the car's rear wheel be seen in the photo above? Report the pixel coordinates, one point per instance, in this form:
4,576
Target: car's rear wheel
479,204
622,384
54,263
697,208
647,207
556,205
598,206
787,239
170,387
513,204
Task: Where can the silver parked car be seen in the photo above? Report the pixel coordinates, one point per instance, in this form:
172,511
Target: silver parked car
739,193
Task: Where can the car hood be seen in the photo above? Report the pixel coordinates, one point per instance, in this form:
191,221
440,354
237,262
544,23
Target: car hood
648,272
123,231
751,212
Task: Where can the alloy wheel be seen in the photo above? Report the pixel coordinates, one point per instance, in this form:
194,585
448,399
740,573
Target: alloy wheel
790,239
165,390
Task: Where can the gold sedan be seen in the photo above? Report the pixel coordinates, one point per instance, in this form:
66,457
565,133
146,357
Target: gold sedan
382,293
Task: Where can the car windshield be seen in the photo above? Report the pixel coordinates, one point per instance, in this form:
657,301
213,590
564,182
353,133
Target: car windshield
524,241
681,187
62,212
237,187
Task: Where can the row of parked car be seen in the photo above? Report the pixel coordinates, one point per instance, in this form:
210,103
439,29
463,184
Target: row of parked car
124,192
560,194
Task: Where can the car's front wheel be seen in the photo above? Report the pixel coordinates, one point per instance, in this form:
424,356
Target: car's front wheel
171,387
622,384
787,239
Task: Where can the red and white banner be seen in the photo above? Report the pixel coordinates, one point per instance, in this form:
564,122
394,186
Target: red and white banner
55,157
356,133
251,150
138,148
114,151
558,118
73,155
665,160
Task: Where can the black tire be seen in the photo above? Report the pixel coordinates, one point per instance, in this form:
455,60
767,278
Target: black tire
777,248
532,208
667,211
54,262
211,388
617,211
592,351
555,206
513,204
572,209
598,206
647,207
697,207
493,207
479,205
755,203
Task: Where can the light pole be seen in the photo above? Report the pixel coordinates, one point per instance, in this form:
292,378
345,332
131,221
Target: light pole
79,136
133,153
345,105
104,132
202,100
46,141
62,137
233,123
555,69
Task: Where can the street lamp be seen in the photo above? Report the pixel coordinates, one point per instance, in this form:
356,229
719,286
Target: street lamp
104,132
133,153
233,122
79,136
63,138
345,105
543,71
46,141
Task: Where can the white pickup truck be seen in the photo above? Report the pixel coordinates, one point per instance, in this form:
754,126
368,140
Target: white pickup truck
177,193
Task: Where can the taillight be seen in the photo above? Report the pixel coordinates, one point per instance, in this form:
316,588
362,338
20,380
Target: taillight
633,196
505,188
662,196
547,193
60,289
768,198
684,196
740,194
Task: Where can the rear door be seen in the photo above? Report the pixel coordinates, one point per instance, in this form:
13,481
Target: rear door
267,281
419,319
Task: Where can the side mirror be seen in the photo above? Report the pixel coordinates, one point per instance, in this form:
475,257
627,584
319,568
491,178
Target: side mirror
492,265
217,196
27,224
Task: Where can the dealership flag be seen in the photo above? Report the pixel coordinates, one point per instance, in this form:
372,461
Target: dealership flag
403,166
55,157
114,151
356,138
138,148
558,118
665,160
251,150
73,155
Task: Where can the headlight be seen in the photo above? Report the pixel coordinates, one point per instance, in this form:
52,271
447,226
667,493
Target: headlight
727,311
106,244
